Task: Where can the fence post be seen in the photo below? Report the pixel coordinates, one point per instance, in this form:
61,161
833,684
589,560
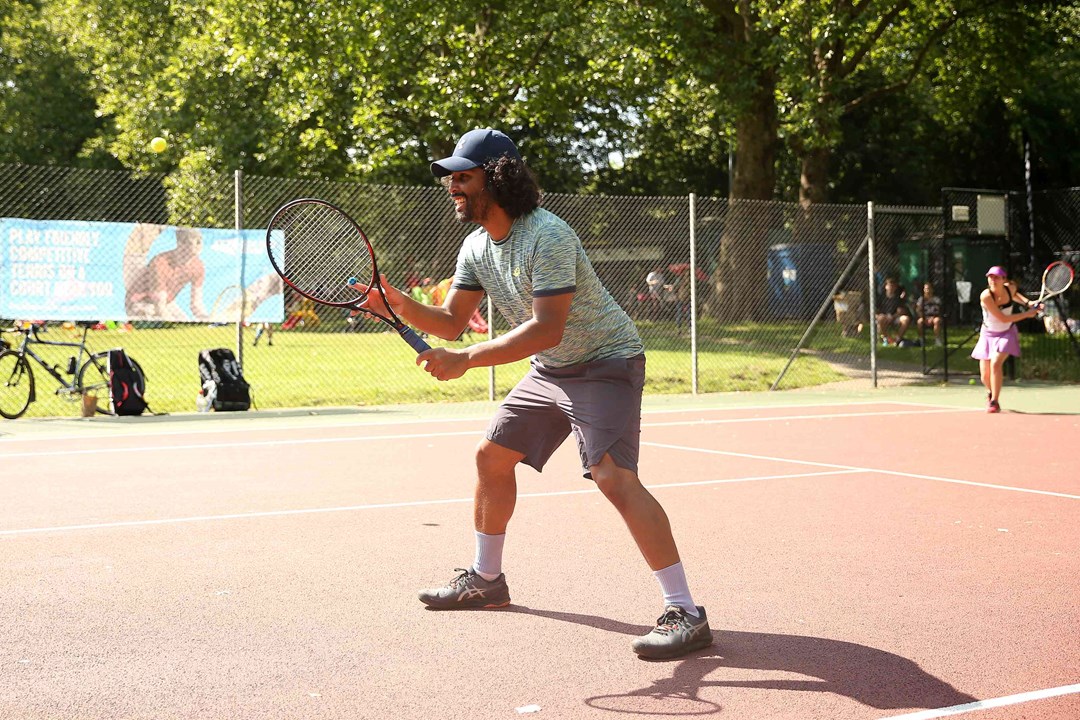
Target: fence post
872,322
693,298
238,208
949,291
1030,193
491,336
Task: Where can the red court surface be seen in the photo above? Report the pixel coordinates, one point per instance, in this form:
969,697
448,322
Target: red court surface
865,560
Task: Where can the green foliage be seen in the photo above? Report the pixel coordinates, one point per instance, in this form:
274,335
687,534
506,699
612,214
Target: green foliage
1025,79
47,108
347,89
646,97
198,196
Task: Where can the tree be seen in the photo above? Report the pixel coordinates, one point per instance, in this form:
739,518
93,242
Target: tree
349,89
1025,84
374,91
47,108
855,54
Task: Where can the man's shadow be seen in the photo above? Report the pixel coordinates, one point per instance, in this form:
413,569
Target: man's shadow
1032,412
867,675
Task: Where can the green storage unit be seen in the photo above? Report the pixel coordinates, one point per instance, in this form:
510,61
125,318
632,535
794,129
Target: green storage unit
970,259
914,261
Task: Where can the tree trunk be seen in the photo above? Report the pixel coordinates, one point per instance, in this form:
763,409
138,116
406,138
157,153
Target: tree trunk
814,179
740,277
756,140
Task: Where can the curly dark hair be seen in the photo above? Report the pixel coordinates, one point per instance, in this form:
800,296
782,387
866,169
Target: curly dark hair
513,185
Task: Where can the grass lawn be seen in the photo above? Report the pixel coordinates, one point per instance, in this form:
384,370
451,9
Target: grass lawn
311,369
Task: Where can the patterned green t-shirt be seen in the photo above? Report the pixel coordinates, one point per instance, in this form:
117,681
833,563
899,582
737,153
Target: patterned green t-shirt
543,256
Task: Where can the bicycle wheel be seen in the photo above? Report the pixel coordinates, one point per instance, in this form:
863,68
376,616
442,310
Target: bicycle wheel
16,384
94,380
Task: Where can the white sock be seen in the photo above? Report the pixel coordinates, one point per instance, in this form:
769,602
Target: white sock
672,581
489,550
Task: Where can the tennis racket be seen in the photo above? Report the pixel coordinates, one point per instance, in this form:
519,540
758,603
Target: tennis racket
227,305
319,251
1056,279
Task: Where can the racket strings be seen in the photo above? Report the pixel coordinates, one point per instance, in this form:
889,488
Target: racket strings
226,306
1058,277
318,250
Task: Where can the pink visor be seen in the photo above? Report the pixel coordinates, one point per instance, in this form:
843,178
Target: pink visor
997,270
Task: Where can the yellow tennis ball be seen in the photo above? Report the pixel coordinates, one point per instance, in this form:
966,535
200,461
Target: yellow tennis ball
158,144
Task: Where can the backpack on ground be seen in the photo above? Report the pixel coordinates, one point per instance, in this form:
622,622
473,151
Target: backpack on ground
127,384
223,385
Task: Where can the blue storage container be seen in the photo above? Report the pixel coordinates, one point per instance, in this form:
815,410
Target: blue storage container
800,276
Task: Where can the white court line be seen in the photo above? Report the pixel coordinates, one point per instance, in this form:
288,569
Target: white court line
897,473
420,436
987,704
329,420
797,406
385,506
248,443
808,417
913,403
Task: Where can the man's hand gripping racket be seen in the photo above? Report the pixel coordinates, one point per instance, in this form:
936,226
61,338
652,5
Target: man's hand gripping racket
321,253
1056,279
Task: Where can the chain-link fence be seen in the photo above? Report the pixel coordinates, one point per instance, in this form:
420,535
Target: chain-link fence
1057,230
1023,234
728,295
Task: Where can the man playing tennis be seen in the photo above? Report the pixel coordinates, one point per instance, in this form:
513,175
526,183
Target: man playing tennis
586,377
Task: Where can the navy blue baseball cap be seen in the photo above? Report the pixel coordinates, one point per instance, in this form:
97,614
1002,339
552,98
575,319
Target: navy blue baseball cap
474,149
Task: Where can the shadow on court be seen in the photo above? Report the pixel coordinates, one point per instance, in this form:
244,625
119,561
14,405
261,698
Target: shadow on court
1030,412
873,677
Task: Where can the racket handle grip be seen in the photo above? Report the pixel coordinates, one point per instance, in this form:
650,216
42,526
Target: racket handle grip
414,340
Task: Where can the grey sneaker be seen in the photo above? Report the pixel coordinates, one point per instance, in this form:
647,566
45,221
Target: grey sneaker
677,632
468,590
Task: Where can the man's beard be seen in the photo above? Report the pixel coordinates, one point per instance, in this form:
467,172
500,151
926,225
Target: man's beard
473,210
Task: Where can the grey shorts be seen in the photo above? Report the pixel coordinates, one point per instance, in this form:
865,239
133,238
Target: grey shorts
599,402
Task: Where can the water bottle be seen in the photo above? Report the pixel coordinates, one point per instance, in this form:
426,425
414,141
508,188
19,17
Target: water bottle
204,401
71,366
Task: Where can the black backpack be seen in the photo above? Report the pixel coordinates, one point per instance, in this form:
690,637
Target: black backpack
223,383
127,385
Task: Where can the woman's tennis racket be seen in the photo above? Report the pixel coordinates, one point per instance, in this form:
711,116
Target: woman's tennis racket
227,305
319,251
1056,279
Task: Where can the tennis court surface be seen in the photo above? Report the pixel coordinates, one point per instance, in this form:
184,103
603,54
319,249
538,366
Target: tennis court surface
890,554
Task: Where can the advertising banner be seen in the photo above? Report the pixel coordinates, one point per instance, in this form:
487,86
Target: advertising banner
74,270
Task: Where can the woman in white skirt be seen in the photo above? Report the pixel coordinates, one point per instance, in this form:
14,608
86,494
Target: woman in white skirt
998,337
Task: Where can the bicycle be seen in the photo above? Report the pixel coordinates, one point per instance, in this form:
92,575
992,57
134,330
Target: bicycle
89,377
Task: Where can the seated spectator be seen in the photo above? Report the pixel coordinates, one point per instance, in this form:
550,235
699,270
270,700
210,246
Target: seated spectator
928,309
654,281
892,312
656,296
